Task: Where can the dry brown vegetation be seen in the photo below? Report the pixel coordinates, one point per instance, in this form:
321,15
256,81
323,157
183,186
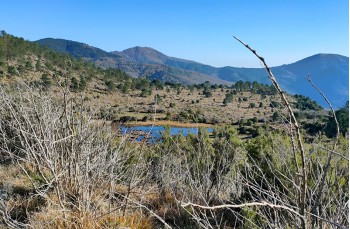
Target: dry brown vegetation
211,109
63,169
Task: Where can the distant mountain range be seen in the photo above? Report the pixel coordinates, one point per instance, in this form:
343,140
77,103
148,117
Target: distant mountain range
330,72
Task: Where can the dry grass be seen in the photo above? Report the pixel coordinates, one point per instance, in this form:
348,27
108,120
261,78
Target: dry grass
211,108
49,220
97,97
12,177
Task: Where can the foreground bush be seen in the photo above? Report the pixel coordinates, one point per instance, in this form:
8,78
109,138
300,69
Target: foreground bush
75,173
74,163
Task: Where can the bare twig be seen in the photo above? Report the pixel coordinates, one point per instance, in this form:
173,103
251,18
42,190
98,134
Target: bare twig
321,187
333,112
333,152
262,203
302,201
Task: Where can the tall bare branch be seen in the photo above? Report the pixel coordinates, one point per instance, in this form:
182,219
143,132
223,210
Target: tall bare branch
302,201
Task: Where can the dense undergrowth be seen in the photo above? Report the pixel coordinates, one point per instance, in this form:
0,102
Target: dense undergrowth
71,171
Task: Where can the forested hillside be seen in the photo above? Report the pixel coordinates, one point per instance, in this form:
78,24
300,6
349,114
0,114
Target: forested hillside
329,71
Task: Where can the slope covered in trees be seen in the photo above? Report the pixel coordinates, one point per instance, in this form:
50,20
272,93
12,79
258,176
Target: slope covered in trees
105,88
329,71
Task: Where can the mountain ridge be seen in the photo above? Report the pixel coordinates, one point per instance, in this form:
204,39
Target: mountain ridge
328,71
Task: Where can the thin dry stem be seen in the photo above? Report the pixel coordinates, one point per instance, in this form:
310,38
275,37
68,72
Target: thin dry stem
302,201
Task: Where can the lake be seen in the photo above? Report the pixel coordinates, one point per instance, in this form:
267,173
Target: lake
154,133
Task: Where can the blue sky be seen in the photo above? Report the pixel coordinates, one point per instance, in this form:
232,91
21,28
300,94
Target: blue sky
283,31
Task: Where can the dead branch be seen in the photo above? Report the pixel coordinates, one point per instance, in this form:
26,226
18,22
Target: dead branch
262,203
333,112
302,201
328,164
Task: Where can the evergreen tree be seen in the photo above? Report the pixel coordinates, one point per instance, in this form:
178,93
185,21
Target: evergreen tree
110,85
46,81
343,119
82,84
74,84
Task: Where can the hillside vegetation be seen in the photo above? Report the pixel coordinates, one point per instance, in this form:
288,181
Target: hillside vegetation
112,94
329,71
63,165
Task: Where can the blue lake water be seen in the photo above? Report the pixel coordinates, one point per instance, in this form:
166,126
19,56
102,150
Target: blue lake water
154,133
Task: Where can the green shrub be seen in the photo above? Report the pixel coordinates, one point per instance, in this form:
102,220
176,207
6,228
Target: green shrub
46,81
343,119
110,85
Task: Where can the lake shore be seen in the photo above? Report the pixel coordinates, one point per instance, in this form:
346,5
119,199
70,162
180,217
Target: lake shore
168,123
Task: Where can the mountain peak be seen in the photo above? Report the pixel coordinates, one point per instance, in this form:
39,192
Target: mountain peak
321,61
145,55
144,49
325,57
